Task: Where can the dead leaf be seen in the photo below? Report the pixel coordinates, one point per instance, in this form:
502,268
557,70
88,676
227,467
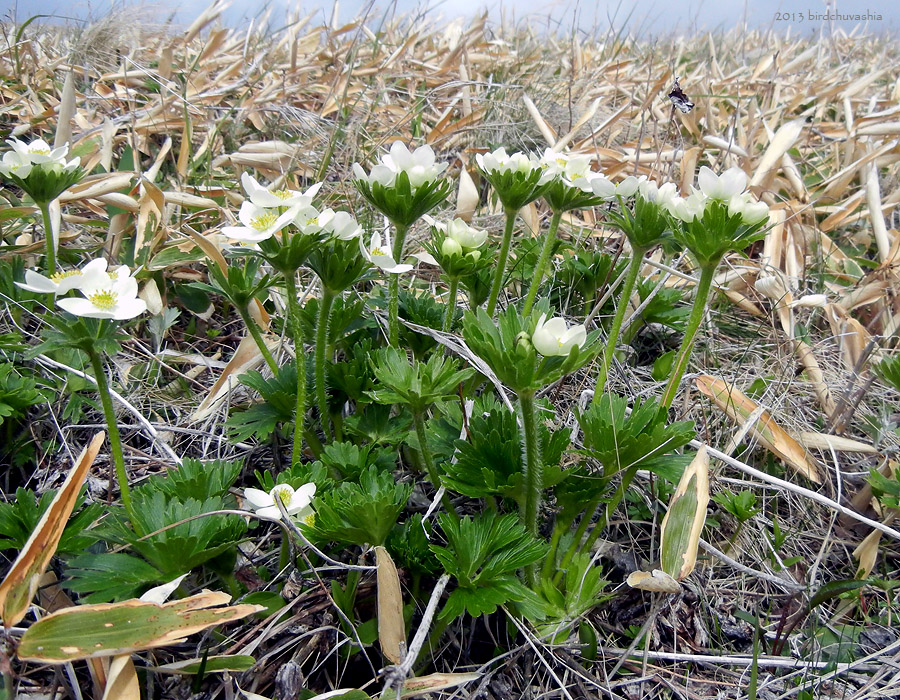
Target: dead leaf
681,527
391,626
657,581
122,680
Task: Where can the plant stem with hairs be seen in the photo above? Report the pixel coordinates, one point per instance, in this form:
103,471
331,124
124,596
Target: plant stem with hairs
325,304
451,305
394,289
500,272
293,307
541,268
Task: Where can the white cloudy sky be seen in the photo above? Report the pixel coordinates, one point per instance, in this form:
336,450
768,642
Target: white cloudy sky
642,17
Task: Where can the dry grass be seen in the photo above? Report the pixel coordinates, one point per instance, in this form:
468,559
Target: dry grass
807,120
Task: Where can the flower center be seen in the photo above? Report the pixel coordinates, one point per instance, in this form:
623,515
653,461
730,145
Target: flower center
377,251
264,221
105,299
60,276
40,151
282,194
312,221
284,493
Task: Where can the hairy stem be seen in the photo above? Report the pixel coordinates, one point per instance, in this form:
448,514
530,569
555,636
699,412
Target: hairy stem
541,268
48,238
115,441
634,269
500,272
253,329
451,305
687,343
321,348
394,289
534,477
293,306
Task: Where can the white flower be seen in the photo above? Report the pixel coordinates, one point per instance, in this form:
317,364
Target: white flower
575,170
14,163
259,223
266,198
93,275
687,208
451,247
309,220
419,166
296,503
340,225
38,152
751,212
499,161
658,194
118,299
722,187
381,256
467,236
602,186
554,338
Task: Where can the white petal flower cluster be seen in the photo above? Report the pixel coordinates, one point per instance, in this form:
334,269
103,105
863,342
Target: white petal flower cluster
602,186
26,156
461,238
500,162
266,212
574,170
296,503
419,166
553,337
657,194
380,255
728,188
105,293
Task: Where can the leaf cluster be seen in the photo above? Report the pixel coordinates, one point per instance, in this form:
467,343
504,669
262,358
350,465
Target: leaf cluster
715,233
413,383
402,204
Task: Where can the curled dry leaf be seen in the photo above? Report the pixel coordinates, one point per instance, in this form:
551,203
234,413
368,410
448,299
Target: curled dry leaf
680,533
391,626
777,440
20,584
657,581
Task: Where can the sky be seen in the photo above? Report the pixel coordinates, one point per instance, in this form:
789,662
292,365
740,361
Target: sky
644,18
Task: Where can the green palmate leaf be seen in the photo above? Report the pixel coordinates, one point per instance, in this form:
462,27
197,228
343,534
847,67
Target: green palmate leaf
409,546
380,425
457,262
108,576
416,384
346,321
621,441
352,379
563,197
290,252
483,554
360,514
580,590
64,331
586,274
46,182
279,397
90,631
346,460
296,475
402,204
490,462
423,310
516,188
17,393
507,349
240,283
197,479
19,519
889,371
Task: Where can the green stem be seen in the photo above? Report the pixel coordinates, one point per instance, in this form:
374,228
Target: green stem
500,272
253,329
451,305
541,268
48,238
115,441
428,461
321,348
394,289
534,478
293,307
687,344
549,568
615,329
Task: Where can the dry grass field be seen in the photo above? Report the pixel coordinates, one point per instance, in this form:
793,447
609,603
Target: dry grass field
791,597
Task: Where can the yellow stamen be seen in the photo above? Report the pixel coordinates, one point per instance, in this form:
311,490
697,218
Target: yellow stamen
285,493
105,299
283,194
264,221
60,276
377,251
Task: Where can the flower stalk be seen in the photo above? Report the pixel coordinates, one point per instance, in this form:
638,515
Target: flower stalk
534,472
325,304
687,344
253,329
428,462
541,268
48,237
451,304
500,272
616,327
394,290
293,306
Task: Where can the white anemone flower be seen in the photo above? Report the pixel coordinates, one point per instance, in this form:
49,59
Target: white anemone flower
575,170
722,187
117,300
499,161
419,166
296,503
341,225
259,223
310,220
93,274
268,198
380,254
658,194
687,208
554,338
752,212
39,151
602,186
466,236
14,163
